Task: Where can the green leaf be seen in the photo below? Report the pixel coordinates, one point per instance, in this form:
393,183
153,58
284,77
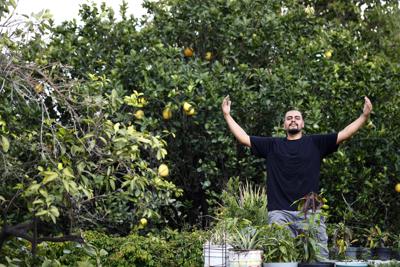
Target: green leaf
5,144
112,184
53,218
49,176
41,213
54,211
87,193
68,172
37,202
32,189
103,252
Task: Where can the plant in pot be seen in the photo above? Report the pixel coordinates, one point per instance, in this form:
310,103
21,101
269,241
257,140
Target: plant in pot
279,247
215,249
342,237
346,255
244,207
396,247
377,241
309,246
308,243
244,202
247,247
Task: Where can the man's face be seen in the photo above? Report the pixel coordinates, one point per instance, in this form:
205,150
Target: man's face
293,122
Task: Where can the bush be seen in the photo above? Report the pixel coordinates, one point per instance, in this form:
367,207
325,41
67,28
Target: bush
168,248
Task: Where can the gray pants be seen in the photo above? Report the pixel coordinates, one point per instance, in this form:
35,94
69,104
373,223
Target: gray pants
295,222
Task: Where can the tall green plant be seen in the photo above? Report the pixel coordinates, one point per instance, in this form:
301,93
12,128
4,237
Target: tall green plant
279,245
244,201
307,241
377,238
247,238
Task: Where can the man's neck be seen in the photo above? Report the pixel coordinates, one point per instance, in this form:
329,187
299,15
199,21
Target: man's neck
294,136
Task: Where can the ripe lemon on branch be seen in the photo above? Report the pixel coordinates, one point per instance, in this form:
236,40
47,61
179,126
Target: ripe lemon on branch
188,109
167,113
143,221
188,52
397,188
139,114
163,170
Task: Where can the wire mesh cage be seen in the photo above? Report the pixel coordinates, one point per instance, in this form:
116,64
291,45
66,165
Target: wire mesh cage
216,255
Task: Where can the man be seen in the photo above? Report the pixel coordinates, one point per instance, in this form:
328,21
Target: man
293,163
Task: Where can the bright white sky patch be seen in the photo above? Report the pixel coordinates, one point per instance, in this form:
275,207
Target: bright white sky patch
63,10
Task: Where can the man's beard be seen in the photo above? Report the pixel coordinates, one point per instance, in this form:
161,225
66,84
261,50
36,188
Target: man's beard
293,131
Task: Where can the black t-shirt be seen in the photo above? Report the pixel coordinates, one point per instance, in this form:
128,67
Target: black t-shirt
293,166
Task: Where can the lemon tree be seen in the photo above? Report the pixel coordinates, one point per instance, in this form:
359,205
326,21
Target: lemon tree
267,55
75,152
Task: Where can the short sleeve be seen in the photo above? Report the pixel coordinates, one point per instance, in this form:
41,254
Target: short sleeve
326,143
261,146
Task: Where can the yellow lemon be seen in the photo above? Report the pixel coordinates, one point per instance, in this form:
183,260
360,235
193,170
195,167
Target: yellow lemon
139,114
167,113
143,221
325,207
187,106
188,52
163,170
191,112
208,56
39,88
328,54
397,188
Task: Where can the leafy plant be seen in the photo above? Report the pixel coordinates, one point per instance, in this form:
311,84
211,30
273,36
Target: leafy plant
244,209
279,245
309,203
246,202
166,248
247,238
307,241
388,264
376,237
322,62
396,242
342,238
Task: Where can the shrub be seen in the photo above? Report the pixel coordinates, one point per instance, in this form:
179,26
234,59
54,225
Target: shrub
167,248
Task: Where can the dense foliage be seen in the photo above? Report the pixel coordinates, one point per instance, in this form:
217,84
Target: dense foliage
83,122
169,248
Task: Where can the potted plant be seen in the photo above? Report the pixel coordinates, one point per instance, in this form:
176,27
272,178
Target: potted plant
244,207
247,247
307,241
244,202
377,241
396,247
346,255
342,237
215,249
279,247
342,241
309,245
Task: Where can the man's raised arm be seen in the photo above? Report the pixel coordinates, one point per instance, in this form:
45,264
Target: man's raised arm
237,131
353,127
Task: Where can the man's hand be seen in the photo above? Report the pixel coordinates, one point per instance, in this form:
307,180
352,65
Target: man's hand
226,105
353,127
237,131
367,107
